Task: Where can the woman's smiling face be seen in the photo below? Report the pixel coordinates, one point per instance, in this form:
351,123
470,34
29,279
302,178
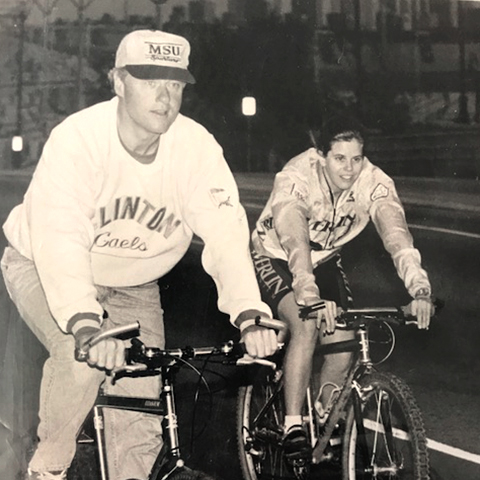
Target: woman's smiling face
343,164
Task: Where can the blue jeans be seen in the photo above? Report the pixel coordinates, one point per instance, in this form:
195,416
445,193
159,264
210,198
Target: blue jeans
69,388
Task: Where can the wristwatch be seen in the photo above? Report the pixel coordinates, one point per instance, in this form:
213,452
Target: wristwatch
422,293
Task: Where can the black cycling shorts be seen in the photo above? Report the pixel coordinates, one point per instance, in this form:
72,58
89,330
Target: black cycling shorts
275,281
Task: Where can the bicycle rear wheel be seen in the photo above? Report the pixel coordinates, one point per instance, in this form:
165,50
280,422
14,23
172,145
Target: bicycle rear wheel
259,434
393,443
187,474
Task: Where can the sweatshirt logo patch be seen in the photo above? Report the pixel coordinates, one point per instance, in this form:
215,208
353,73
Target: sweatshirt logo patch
220,197
297,193
380,191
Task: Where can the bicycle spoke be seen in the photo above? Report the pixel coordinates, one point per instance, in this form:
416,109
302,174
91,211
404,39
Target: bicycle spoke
392,432
261,412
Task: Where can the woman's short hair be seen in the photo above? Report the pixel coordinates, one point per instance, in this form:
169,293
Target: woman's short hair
338,129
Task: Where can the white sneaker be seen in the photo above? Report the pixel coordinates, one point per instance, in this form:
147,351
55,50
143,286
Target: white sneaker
59,475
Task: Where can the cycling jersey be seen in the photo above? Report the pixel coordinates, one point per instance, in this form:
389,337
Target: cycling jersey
93,215
301,222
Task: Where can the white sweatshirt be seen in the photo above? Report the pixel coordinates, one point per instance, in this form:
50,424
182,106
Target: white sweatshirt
302,225
94,215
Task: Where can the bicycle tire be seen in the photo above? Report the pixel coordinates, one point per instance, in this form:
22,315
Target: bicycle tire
261,460
188,474
406,457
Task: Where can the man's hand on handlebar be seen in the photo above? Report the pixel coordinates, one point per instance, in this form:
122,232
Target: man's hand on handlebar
106,354
259,341
258,333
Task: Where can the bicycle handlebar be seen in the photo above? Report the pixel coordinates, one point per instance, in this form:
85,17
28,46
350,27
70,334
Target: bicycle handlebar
352,318
139,357
155,357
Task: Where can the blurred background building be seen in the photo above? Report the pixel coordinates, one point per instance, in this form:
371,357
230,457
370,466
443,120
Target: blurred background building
408,68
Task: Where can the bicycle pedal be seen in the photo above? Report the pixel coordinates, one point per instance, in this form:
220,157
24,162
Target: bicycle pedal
253,450
335,441
326,457
301,469
269,435
298,459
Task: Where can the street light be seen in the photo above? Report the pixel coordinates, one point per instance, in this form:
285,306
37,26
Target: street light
17,143
249,109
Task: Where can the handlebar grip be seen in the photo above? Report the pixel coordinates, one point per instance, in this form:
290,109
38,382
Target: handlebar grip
309,311
114,332
271,323
81,354
437,303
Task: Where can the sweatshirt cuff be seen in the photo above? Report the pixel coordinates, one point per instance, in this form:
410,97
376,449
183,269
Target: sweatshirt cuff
82,320
247,318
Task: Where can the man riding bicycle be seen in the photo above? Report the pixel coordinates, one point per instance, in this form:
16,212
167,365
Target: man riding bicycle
321,200
118,193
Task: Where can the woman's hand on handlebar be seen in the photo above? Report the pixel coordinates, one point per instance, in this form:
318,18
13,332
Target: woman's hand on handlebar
422,308
328,313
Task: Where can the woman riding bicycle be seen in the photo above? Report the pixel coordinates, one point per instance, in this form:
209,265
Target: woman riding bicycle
322,199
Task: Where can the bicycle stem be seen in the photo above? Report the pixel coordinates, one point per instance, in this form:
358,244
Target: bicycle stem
364,347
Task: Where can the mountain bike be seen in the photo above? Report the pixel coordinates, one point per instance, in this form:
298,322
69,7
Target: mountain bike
142,360
374,430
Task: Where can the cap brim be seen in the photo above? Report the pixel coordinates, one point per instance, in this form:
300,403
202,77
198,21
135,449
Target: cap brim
157,72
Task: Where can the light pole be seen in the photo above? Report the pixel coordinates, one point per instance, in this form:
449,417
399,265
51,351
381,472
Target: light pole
81,6
358,59
158,12
249,109
462,101
17,140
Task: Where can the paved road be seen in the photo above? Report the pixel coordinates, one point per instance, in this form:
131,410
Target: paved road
441,365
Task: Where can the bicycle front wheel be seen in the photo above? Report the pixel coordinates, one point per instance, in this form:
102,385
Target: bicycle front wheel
260,415
384,435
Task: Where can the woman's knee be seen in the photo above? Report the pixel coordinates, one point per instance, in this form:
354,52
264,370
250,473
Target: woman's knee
299,329
337,363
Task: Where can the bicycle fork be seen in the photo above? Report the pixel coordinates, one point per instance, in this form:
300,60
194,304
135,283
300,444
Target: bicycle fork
169,459
381,426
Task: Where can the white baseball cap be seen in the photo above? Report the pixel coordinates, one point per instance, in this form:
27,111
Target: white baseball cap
152,54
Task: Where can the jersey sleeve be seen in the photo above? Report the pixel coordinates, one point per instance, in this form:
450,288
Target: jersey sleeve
59,207
388,215
215,214
290,209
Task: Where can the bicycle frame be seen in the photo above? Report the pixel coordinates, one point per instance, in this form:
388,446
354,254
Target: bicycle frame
375,417
169,458
361,364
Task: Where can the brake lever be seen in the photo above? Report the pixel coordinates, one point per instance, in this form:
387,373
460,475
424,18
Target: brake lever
249,360
118,371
